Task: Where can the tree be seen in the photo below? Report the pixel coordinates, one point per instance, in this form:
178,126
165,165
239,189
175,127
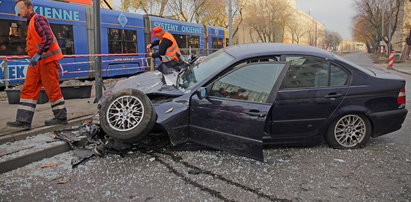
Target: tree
332,40
362,31
372,12
297,28
206,12
238,13
268,19
213,13
154,7
187,10
407,49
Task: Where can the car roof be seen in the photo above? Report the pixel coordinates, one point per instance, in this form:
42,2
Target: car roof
243,51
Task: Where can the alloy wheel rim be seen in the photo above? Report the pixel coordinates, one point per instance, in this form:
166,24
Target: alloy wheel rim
125,113
350,130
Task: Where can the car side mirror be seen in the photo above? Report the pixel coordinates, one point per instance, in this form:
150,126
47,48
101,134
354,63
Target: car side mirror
202,93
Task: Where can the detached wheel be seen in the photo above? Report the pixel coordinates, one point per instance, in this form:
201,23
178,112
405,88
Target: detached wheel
128,115
349,132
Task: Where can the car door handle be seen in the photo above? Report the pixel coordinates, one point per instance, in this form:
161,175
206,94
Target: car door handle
256,112
333,95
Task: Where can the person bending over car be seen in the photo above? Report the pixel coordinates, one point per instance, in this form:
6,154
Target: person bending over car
168,51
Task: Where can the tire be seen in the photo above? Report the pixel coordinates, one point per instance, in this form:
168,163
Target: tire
127,121
349,131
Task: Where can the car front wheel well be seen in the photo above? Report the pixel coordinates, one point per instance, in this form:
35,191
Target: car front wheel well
158,137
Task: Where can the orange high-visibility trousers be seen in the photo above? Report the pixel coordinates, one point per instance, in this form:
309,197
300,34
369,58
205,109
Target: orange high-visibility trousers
38,76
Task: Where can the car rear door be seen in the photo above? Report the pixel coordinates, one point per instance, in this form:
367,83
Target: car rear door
233,116
311,91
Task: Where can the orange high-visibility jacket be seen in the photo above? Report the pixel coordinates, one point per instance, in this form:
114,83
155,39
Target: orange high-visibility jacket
33,42
171,52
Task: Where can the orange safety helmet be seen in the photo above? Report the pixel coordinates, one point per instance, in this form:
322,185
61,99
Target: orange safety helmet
157,29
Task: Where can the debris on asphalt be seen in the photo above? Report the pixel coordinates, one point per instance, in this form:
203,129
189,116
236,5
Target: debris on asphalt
91,130
87,121
194,172
53,135
169,110
49,164
152,159
340,160
82,155
88,141
52,179
63,180
68,135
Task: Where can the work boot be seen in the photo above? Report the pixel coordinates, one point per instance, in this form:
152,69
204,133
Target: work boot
18,124
55,121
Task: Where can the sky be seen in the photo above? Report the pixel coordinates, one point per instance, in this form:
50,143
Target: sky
336,15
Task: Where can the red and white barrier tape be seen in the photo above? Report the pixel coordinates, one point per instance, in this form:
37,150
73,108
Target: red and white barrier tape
144,61
74,56
85,71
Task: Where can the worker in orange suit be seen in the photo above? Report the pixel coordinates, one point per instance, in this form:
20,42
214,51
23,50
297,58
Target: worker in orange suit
43,48
168,51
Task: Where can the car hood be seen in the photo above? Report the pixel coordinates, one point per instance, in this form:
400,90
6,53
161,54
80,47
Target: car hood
150,83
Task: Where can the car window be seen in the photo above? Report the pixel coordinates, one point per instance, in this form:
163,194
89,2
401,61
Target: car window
338,77
306,72
252,82
196,74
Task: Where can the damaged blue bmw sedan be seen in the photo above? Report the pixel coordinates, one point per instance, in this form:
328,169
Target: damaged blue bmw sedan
243,97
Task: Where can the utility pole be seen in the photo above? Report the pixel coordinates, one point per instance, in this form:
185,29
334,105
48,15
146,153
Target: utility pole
230,23
97,48
382,19
389,26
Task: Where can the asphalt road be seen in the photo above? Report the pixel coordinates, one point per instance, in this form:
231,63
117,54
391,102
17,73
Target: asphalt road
379,172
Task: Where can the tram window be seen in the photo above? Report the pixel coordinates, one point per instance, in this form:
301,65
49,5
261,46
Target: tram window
216,43
64,35
13,37
185,42
122,41
181,41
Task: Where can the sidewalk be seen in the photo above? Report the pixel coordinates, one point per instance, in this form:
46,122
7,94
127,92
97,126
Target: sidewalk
404,67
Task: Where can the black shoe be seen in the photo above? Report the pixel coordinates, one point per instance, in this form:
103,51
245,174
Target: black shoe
55,121
18,124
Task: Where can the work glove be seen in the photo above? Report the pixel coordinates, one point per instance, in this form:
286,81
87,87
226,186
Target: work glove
34,59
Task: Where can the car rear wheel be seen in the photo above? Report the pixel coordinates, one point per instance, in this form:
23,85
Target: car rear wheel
349,131
128,115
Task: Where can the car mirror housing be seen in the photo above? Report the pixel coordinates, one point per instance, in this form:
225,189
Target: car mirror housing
202,93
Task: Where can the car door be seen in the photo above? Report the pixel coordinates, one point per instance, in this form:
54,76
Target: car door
233,116
311,91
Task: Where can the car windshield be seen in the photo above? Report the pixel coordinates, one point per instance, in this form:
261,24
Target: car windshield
198,72
363,69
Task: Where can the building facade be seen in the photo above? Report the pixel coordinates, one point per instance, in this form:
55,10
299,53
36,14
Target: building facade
300,28
403,27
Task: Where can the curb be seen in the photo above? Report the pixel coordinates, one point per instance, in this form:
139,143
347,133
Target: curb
26,159
21,135
407,73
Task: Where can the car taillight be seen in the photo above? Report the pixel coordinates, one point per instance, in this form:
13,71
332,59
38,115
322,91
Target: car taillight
401,97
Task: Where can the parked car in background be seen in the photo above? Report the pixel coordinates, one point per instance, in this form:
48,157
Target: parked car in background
245,96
